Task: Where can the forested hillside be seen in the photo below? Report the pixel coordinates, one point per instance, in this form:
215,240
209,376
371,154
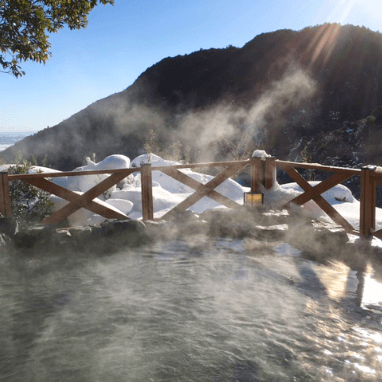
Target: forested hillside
313,94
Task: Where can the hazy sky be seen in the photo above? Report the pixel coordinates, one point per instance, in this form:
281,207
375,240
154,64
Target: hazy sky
122,41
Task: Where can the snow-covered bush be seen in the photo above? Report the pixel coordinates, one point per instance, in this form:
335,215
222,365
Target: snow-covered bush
28,203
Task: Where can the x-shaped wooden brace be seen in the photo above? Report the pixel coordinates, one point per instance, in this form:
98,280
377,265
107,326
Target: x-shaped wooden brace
315,194
203,189
79,201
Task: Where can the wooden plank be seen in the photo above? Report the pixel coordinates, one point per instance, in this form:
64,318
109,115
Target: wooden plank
227,173
194,184
195,165
320,188
2,196
5,196
367,202
363,228
334,215
257,175
292,172
206,189
73,197
319,200
317,166
126,171
209,164
270,176
84,200
373,202
147,192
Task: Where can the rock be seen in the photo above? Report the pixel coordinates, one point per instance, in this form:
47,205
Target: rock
114,227
236,223
124,231
318,241
183,217
269,233
30,237
81,236
161,230
62,238
8,226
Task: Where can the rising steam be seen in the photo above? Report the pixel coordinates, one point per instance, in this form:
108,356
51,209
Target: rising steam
247,128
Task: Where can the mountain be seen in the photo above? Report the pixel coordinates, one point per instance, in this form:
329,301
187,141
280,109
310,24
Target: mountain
314,94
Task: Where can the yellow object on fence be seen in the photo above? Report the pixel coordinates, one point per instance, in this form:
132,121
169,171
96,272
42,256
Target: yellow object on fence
253,200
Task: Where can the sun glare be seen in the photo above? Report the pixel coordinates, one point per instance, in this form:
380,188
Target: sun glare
357,12
342,11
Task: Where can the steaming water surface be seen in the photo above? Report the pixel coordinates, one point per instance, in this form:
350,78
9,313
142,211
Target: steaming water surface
184,311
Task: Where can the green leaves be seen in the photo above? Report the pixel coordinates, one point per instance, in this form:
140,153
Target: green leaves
29,204
25,25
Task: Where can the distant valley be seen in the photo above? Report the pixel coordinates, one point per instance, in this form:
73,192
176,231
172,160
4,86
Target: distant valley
9,138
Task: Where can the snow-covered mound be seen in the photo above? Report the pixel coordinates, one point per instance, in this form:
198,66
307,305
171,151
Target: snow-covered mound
85,183
260,154
154,159
162,199
228,188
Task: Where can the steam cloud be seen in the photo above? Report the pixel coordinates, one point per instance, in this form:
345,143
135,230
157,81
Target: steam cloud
245,127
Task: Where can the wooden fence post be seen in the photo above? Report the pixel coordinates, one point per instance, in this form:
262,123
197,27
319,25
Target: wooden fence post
147,192
5,196
367,202
256,175
270,172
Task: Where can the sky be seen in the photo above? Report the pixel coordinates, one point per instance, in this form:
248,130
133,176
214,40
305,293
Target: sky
122,41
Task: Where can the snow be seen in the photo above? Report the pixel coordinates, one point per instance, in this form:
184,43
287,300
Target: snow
285,249
260,154
85,183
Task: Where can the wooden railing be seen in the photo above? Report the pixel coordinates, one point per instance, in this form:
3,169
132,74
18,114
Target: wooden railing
86,200
314,193
263,176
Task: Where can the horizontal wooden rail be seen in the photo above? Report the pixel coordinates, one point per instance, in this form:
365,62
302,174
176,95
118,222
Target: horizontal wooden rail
320,167
125,171
199,165
128,171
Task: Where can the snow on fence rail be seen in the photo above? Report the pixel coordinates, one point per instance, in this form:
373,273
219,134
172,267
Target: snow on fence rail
263,176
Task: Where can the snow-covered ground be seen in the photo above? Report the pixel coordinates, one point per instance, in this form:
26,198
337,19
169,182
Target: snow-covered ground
168,192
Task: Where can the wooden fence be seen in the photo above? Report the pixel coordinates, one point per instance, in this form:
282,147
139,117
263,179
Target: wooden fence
263,175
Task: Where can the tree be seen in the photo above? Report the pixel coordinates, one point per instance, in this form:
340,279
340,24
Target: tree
29,204
25,26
